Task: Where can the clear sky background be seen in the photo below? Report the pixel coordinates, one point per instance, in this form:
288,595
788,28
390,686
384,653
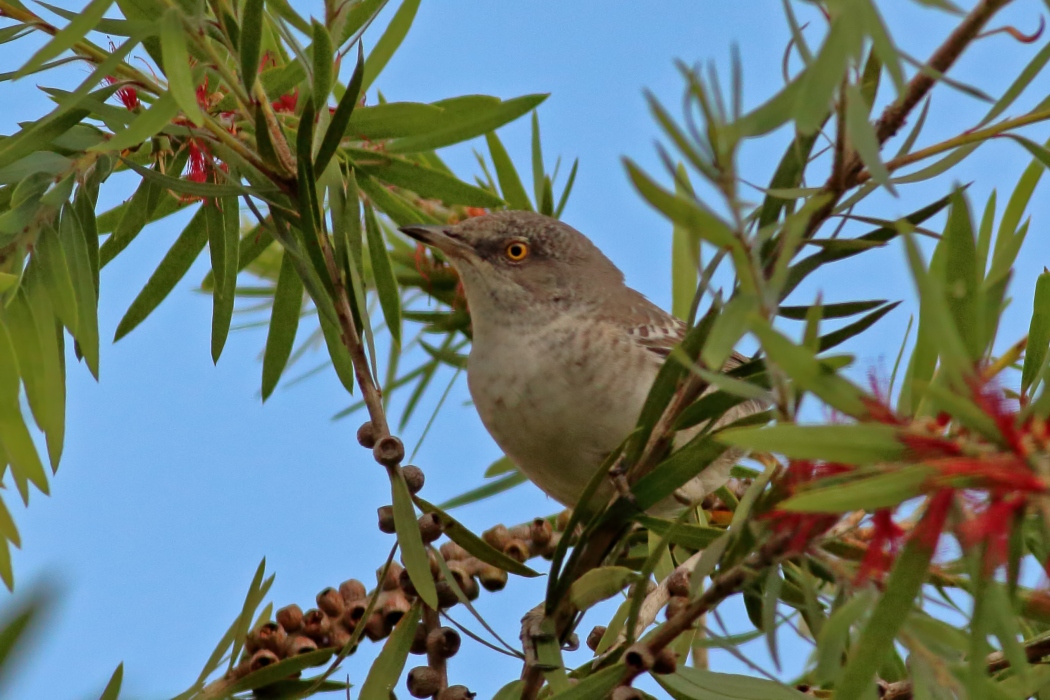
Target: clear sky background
176,480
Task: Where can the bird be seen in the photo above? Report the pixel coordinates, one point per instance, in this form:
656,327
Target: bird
563,352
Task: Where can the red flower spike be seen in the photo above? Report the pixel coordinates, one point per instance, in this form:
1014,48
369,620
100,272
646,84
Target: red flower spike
127,94
805,526
202,94
928,531
998,472
992,528
885,544
286,103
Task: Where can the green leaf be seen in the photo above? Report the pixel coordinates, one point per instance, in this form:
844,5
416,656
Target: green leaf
596,686
509,182
43,132
890,613
684,211
257,590
383,274
427,182
399,209
476,123
860,443
473,544
75,243
85,21
337,352
840,310
882,490
205,190
538,172
384,49
112,689
285,668
837,337
135,217
322,54
142,127
344,112
488,490
1038,333
808,372
387,668
599,584
687,535
223,222
862,137
962,275
284,323
697,684
177,65
49,335
14,435
413,553
834,635
788,175
823,76
685,255
51,257
250,41
172,268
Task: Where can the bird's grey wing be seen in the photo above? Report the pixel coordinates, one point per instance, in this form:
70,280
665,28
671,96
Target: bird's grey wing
659,332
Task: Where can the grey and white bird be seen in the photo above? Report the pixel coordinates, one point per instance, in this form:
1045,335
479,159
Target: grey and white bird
564,352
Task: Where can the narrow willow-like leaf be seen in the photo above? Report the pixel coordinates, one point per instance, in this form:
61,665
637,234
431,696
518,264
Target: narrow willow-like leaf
223,247
538,171
257,590
75,244
195,189
685,255
18,316
853,444
480,122
250,41
341,117
473,544
1038,333
599,584
112,689
823,76
383,274
963,277
682,210
487,490
337,352
429,183
387,668
177,65
509,182
862,137
172,268
384,49
14,435
284,323
890,613
885,490
564,199
413,553
43,131
135,217
322,50
53,356
698,683
84,22
51,257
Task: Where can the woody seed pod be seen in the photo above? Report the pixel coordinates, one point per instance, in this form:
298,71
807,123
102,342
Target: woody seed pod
290,618
518,550
626,692
352,590
376,628
676,605
331,602
366,435
393,575
251,643
298,645
446,596
261,659
354,612
339,635
595,637
272,636
395,605
540,532
453,552
496,536
492,578
315,625
423,682
386,519
456,692
413,478
561,521
404,581
429,527
665,662
572,643
389,451
419,642
678,582
443,642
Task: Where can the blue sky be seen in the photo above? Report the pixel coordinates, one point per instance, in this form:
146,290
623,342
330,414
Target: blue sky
176,480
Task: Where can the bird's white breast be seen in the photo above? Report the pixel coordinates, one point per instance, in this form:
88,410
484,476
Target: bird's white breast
557,399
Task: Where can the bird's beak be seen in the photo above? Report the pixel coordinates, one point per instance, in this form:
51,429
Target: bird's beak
440,237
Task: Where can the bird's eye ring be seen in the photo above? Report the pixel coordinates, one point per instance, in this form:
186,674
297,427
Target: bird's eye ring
517,251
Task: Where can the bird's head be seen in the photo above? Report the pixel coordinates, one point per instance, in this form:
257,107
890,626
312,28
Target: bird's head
514,261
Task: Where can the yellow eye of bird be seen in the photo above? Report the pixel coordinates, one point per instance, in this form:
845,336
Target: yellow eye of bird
517,251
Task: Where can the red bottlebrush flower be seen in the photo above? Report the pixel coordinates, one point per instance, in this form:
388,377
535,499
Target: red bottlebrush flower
197,163
128,95
471,212
929,446
805,526
990,399
928,531
878,403
202,94
885,544
286,103
997,472
992,528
